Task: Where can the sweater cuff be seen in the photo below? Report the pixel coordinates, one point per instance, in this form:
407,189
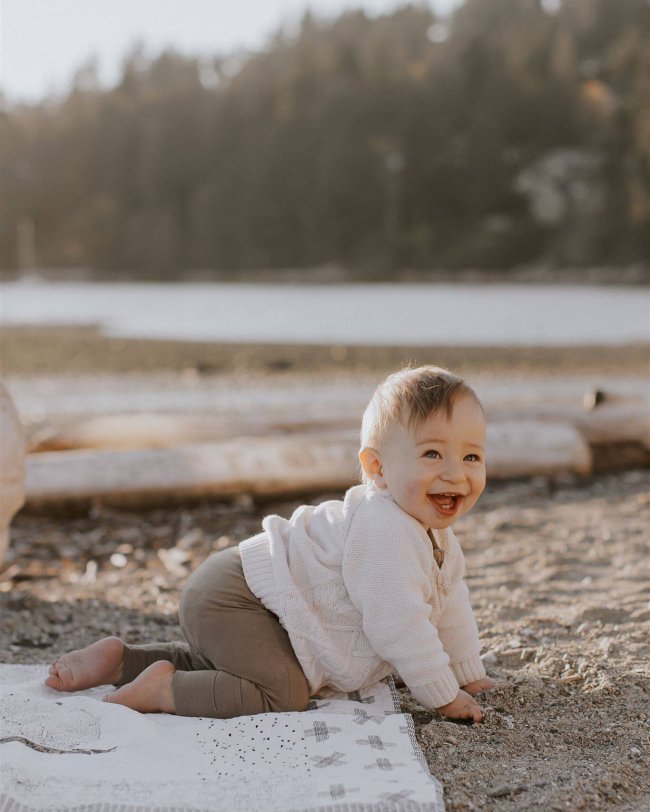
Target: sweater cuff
258,570
438,693
468,670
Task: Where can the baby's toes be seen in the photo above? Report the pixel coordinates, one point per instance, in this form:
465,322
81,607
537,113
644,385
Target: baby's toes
62,679
54,681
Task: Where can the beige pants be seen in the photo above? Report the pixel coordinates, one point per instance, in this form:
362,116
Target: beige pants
237,661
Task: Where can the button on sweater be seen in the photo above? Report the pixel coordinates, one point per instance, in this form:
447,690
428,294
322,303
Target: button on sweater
356,586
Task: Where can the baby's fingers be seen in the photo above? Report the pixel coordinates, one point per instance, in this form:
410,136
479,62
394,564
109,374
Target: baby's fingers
468,713
472,711
477,713
479,685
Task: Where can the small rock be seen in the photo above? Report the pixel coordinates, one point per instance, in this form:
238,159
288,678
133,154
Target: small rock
191,539
505,790
173,560
244,502
605,644
605,614
90,573
119,560
489,658
593,398
570,677
68,551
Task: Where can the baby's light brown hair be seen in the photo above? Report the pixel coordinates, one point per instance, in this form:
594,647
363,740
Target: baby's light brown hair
409,397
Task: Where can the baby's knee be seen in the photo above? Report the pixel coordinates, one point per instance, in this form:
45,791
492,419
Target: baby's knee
298,699
193,606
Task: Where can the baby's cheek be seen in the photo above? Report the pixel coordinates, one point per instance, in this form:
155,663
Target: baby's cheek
412,489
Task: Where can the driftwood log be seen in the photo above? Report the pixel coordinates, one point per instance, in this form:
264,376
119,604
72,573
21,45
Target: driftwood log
258,465
12,466
616,420
131,431
280,464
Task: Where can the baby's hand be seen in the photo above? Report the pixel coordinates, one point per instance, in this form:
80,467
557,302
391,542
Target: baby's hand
462,707
479,685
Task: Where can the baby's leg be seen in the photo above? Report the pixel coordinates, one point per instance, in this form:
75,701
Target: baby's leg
137,659
112,662
145,679
214,694
249,664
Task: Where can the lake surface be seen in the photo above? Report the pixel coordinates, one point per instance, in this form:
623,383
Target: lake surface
410,314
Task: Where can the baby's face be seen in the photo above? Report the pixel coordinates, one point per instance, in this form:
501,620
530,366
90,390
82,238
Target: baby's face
436,472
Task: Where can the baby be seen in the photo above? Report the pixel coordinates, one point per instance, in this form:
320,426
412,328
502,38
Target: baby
339,595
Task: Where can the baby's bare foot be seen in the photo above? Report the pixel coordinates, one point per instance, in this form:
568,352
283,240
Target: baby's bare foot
150,691
97,664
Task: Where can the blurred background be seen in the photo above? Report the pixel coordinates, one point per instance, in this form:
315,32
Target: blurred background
376,142
334,187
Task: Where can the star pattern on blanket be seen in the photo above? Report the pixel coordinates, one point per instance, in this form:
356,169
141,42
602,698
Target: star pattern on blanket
337,791
361,717
316,704
333,760
383,764
396,797
321,731
355,696
375,743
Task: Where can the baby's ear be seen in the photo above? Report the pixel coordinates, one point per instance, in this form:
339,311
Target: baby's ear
371,464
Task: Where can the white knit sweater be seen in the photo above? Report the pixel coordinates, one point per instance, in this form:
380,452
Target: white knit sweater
356,586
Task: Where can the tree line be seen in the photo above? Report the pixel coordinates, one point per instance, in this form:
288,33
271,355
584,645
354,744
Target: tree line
512,132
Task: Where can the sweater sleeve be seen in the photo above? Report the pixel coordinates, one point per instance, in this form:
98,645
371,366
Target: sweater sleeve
459,635
386,570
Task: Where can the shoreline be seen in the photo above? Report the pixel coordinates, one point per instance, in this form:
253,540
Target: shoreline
35,350
634,275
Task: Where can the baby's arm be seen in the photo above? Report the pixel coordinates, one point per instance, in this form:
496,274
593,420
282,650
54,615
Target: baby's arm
387,575
459,635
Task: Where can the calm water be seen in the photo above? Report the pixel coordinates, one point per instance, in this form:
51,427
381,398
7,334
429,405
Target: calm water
358,314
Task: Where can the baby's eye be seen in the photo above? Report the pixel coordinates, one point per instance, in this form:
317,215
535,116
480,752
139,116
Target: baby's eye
473,458
432,454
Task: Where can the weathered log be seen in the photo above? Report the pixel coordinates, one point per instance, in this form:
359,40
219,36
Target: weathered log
531,448
616,423
12,466
259,465
274,465
619,417
131,431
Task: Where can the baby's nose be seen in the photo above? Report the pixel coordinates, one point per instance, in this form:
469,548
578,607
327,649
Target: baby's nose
453,471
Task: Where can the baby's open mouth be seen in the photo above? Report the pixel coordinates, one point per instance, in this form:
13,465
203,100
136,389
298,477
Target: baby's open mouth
446,503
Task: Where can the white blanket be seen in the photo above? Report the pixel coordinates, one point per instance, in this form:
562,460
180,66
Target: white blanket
348,753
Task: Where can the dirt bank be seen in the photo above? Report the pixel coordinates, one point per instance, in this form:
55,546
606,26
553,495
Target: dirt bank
36,350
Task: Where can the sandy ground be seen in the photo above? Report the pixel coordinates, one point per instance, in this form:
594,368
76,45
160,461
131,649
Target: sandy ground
561,587
559,571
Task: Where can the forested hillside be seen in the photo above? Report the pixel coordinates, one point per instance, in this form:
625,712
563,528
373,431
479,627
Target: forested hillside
506,134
